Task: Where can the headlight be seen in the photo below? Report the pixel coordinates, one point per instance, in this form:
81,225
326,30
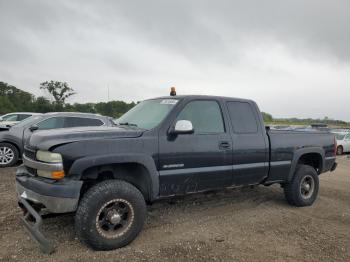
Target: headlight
46,156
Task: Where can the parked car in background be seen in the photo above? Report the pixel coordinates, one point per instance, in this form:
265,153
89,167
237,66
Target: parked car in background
9,120
340,130
280,127
343,142
12,141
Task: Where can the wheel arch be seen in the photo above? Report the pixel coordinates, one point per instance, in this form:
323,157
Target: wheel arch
139,170
313,156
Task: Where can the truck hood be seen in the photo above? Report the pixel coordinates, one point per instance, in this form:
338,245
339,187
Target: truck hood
46,139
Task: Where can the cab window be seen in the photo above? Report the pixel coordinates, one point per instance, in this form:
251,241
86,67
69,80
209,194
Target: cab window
242,118
205,116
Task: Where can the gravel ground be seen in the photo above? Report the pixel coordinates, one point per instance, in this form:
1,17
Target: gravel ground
249,224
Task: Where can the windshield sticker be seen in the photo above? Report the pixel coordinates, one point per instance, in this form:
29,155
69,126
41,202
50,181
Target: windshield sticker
168,102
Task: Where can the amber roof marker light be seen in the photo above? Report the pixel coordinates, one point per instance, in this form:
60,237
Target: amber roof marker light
172,91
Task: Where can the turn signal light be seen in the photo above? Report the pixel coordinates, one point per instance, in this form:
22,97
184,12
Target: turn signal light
51,174
57,174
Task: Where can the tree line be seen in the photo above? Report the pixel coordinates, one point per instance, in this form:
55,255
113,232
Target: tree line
13,99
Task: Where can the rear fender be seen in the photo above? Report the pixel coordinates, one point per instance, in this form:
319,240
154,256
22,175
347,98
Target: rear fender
299,153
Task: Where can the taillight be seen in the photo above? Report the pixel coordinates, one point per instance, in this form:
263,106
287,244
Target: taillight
335,146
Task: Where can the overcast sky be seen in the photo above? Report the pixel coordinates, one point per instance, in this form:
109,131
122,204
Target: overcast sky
292,57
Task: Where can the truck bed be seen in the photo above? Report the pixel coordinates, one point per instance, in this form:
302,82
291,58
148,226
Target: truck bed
283,147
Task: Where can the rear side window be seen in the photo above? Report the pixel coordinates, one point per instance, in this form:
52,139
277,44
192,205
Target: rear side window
22,117
82,121
242,117
205,116
51,123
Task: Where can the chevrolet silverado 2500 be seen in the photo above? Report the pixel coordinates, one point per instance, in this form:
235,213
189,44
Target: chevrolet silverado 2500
161,148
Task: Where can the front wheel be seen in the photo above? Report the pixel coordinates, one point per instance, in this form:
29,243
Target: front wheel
303,189
110,215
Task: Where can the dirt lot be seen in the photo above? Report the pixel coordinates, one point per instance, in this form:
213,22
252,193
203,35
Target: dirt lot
237,225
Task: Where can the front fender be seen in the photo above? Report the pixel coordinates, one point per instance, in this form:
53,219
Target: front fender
81,165
299,153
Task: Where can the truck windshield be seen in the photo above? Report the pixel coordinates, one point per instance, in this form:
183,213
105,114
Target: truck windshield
147,114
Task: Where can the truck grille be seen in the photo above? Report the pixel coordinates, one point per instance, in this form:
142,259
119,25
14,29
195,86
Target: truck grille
31,171
30,153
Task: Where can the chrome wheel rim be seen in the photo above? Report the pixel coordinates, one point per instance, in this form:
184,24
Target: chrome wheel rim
114,218
307,187
6,155
339,151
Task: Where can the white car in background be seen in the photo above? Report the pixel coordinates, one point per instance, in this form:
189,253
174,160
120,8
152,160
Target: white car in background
343,142
10,119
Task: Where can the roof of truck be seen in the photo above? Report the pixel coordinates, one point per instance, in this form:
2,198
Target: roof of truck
200,97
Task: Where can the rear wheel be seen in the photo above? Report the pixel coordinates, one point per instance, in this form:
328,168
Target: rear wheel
8,155
110,215
303,189
340,150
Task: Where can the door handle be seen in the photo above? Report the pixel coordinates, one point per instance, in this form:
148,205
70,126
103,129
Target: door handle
224,145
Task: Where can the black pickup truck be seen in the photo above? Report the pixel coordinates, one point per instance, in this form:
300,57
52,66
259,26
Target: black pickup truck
161,148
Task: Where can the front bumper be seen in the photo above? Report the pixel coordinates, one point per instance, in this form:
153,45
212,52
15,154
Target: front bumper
38,196
53,196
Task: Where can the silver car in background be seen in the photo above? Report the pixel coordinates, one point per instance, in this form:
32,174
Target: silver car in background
12,141
11,119
343,142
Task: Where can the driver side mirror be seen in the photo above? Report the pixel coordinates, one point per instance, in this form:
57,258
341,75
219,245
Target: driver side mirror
182,127
1,119
33,128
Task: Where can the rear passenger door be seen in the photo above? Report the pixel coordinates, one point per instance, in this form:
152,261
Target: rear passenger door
250,143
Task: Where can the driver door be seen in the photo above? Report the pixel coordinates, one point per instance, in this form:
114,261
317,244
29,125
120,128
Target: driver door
198,161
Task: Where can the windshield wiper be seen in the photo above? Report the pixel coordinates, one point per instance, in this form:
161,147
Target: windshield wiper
127,124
